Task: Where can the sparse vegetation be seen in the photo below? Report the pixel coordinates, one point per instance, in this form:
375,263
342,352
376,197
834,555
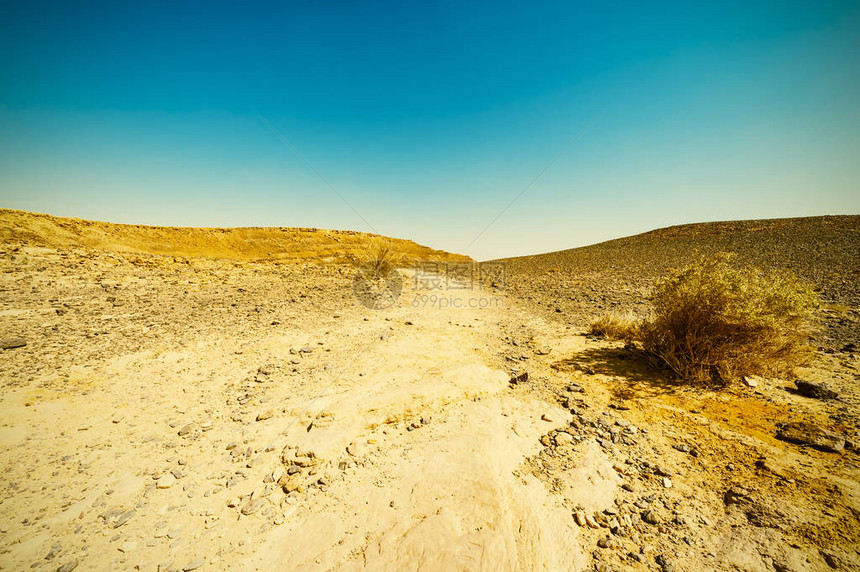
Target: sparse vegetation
378,259
714,322
617,326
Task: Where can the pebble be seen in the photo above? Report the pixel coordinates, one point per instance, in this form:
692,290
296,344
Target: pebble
123,518
186,429
683,447
68,566
265,415
667,482
252,506
521,378
56,548
165,482
562,439
750,381
12,343
548,417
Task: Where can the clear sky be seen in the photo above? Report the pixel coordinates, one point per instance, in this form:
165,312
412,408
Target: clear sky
429,118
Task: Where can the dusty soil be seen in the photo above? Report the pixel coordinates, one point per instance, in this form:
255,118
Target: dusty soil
191,413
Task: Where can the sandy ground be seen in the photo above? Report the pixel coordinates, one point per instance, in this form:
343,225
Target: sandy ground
173,414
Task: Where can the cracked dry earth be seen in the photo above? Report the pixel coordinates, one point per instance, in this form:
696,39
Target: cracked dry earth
181,414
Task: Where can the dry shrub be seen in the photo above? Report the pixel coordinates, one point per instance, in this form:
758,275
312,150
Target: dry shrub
714,323
377,259
616,326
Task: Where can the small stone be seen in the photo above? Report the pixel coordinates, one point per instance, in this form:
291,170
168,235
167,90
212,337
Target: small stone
290,483
520,378
11,344
831,560
815,390
562,439
605,542
750,381
56,548
68,566
809,434
548,417
664,471
265,415
252,506
580,518
187,429
667,482
193,565
165,482
683,447
123,518
651,517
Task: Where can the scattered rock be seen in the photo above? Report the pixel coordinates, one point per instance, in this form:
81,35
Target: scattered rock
548,417
123,518
521,378
187,429
12,343
815,390
165,482
750,381
193,565
831,560
265,415
68,566
803,433
56,548
252,506
736,495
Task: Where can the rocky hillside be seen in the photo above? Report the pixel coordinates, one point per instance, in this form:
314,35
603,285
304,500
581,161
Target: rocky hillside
579,283
253,243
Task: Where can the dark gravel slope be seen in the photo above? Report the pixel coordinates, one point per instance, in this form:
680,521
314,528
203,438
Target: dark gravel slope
580,283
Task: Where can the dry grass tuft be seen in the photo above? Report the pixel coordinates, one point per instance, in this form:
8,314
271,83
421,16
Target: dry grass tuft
617,326
714,323
377,258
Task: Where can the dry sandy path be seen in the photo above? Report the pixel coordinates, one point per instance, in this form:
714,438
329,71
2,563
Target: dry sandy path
400,424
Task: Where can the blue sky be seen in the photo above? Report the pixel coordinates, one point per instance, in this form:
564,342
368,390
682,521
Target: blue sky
429,119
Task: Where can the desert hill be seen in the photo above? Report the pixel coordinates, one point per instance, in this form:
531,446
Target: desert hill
255,243
618,274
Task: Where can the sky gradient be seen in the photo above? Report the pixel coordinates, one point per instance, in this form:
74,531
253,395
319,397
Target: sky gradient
429,119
